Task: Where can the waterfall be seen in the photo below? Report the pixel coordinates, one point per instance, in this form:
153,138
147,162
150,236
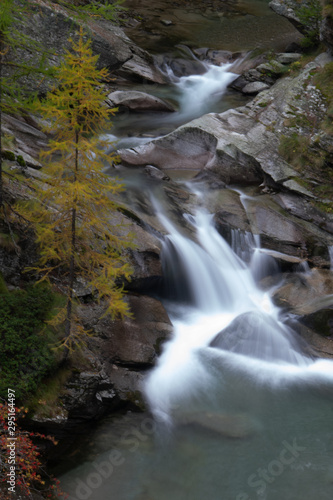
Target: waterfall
195,95
198,93
222,320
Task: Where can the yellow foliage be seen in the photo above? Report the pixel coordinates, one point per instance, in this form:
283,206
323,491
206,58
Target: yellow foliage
73,219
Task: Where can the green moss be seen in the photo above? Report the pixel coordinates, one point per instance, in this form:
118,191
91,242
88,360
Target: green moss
8,155
20,160
295,149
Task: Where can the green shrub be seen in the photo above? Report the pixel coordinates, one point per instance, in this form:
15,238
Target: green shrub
25,353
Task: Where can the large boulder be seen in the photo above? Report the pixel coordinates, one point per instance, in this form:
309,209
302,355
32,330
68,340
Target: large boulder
257,335
187,148
137,101
309,297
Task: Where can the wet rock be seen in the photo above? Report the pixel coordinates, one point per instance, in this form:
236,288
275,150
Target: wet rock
128,385
321,320
156,173
88,395
241,82
229,213
166,22
321,347
137,101
181,66
310,297
219,57
254,88
189,148
257,335
298,292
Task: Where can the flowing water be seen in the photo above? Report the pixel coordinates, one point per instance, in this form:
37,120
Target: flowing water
238,408
240,411
192,96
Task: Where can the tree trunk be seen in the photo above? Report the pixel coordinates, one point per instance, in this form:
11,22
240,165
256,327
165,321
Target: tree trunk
70,292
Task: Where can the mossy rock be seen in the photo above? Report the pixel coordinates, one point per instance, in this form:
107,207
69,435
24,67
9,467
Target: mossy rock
20,160
8,155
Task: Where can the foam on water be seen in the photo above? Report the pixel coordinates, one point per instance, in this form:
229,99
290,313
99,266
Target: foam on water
222,301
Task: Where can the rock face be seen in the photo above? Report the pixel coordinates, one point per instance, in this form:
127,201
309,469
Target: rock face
113,363
51,25
28,139
191,148
131,342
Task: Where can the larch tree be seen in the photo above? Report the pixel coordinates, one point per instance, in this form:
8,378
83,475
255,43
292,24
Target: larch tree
72,215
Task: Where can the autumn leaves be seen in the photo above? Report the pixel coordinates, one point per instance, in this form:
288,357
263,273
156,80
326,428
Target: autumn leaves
72,216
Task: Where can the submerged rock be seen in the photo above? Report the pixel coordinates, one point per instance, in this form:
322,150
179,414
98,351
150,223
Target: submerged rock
236,426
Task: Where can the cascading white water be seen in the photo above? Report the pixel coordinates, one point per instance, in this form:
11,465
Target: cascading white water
225,320
199,92
195,96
